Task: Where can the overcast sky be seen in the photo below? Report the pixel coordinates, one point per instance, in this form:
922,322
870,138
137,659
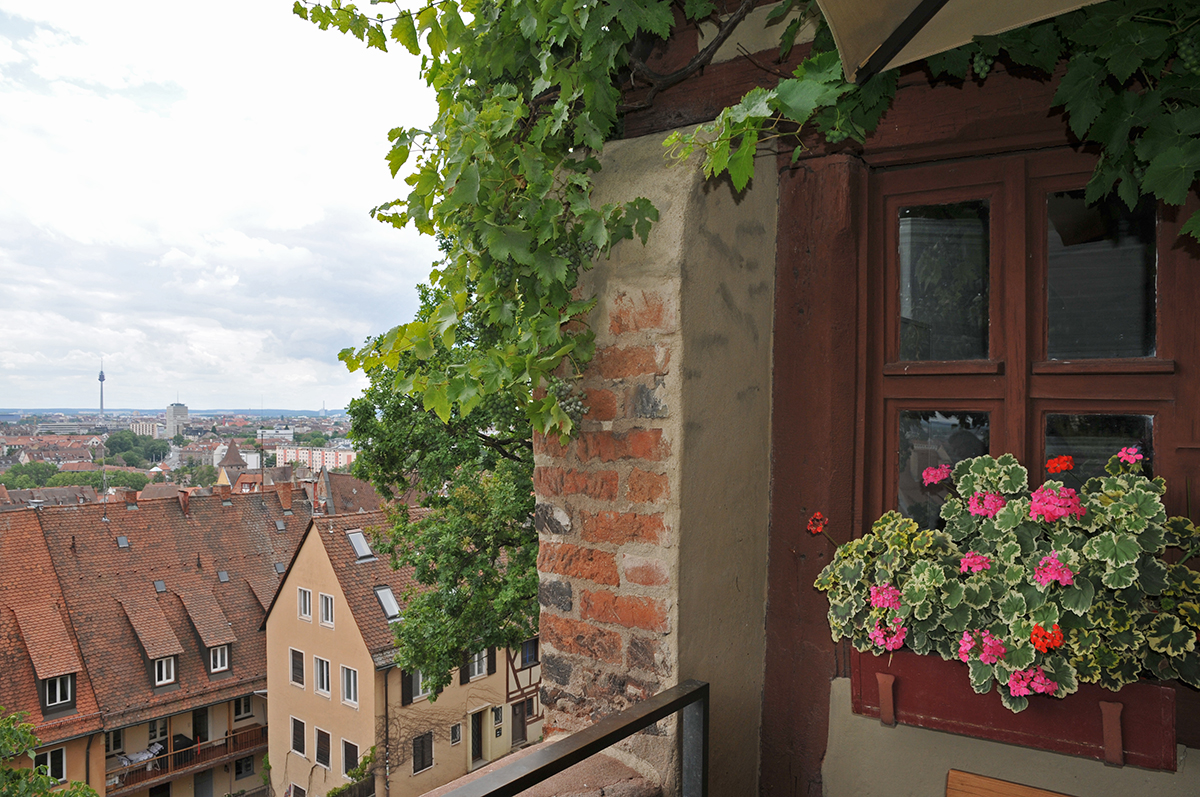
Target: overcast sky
184,192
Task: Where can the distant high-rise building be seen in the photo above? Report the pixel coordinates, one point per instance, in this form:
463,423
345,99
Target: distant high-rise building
177,418
102,392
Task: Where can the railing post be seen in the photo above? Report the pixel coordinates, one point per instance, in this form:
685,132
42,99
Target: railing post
695,747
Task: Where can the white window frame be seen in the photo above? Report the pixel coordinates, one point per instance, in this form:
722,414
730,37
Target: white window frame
497,716
317,748
304,604
303,736
349,686
322,672
455,734
244,774
218,659
420,689
153,734
114,741
299,791
477,667
382,590
246,701
358,758
164,671
292,667
62,688
46,759
326,601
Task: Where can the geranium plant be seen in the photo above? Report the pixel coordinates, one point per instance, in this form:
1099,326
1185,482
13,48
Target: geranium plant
1034,590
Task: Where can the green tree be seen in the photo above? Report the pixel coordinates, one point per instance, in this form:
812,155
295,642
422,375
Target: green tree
132,459
474,553
155,450
181,441
121,441
17,742
28,476
95,479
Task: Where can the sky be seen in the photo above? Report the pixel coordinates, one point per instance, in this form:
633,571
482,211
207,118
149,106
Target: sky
184,193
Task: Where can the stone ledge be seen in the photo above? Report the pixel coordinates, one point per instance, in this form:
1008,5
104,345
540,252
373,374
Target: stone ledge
598,776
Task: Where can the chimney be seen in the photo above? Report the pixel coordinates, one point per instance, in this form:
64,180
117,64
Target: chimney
284,490
128,496
223,490
184,498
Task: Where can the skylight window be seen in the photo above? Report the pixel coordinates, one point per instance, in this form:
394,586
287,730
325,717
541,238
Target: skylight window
361,549
160,586
280,567
391,609
122,541
223,576
281,525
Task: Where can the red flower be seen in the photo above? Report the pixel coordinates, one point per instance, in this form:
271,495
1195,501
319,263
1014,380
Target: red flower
1045,641
1060,464
816,524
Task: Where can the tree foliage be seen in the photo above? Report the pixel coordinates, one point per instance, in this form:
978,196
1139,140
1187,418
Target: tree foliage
96,479
28,476
474,551
18,741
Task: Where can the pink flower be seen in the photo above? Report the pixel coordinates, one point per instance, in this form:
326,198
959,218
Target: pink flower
1051,570
1025,682
894,641
965,646
974,562
885,597
1129,455
986,504
935,475
1054,504
992,648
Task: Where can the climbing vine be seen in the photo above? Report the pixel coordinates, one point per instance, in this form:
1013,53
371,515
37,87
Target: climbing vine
529,90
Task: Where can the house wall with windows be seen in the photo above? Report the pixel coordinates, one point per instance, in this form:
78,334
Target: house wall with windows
420,742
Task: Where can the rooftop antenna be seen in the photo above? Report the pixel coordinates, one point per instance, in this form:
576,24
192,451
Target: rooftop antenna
101,391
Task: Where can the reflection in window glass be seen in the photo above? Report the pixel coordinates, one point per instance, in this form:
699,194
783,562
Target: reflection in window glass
929,439
944,281
1092,439
1101,264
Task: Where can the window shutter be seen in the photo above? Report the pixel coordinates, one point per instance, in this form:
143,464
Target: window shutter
491,661
406,688
464,672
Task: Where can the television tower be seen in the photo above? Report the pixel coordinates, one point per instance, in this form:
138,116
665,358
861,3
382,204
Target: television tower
102,391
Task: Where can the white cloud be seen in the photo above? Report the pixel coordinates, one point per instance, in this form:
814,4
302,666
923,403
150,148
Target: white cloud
189,202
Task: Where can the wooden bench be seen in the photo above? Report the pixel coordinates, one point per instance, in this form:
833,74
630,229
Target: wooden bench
965,784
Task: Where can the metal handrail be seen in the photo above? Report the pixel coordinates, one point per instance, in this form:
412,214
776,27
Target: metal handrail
689,697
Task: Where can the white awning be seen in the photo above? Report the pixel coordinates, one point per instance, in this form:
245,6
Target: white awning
876,35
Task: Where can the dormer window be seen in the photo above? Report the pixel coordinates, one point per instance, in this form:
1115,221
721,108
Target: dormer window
58,694
218,658
362,549
164,671
391,609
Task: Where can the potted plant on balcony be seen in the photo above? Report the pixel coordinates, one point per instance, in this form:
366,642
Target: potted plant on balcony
1033,591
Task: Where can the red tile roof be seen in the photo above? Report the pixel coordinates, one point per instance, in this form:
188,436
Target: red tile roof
150,623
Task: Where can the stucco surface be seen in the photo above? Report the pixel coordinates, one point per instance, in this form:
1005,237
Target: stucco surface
866,758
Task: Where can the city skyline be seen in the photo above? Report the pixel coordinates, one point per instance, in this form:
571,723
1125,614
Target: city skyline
200,223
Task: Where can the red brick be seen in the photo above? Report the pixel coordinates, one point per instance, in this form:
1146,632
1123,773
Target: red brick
635,444
548,445
615,362
601,404
572,560
643,486
649,572
601,485
629,314
579,638
619,528
630,611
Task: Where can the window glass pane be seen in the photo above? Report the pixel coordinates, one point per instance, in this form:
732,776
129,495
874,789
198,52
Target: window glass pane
1092,439
1101,266
929,439
943,253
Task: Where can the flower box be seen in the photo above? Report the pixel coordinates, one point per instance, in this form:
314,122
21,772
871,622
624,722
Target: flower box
929,692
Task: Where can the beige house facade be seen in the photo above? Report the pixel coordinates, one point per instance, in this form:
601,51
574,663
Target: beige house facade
336,693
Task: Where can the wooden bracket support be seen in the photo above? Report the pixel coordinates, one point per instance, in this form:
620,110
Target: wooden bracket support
1114,749
887,700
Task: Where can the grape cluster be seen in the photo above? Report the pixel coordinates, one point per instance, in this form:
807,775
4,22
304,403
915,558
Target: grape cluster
1189,53
982,64
570,401
836,135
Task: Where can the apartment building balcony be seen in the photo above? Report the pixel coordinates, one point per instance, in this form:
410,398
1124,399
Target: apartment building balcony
185,757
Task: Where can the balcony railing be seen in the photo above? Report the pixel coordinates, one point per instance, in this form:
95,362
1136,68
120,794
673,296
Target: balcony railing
364,788
182,759
690,698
